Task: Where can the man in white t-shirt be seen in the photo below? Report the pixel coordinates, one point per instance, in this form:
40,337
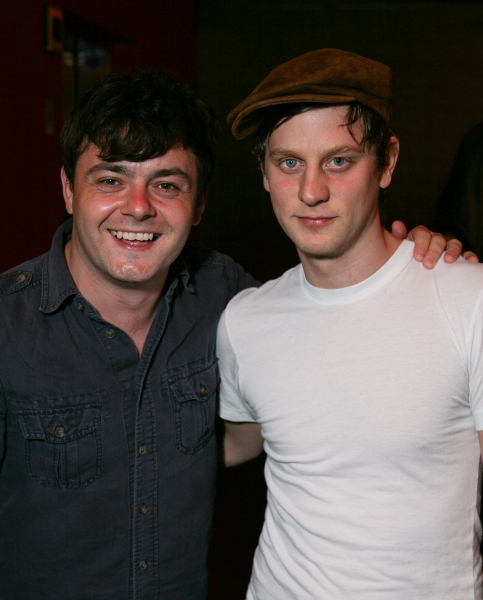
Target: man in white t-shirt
360,372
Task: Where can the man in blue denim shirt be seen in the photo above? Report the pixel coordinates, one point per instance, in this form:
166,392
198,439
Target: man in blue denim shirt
108,375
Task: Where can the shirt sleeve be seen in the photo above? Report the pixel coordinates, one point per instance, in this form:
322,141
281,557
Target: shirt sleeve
240,279
233,407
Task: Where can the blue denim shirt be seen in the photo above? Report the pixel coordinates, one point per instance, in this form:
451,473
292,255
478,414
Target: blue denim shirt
107,461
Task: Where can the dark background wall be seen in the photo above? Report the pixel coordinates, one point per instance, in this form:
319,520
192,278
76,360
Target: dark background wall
160,33
435,50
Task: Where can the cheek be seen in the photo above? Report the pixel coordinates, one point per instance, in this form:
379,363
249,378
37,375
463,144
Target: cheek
94,207
359,190
277,200
277,183
283,190
179,216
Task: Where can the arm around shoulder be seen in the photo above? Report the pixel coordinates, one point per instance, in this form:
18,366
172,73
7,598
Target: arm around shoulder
242,441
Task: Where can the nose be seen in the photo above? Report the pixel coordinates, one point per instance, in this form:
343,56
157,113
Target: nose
138,204
314,187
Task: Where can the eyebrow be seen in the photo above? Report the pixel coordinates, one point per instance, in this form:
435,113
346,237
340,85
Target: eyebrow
125,170
281,152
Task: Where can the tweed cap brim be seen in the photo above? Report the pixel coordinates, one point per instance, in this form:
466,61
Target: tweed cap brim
328,76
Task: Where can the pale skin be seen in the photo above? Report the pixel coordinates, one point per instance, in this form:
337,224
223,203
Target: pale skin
122,278
324,190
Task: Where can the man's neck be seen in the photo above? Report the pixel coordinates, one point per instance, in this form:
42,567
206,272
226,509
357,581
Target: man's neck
132,308
361,261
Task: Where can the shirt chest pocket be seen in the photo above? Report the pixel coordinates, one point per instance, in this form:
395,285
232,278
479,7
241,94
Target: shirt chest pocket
194,400
63,445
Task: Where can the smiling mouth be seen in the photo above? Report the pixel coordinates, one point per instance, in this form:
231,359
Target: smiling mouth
132,236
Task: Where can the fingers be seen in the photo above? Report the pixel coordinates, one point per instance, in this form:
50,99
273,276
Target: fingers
399,230
428,246
471,256
453,250
437,245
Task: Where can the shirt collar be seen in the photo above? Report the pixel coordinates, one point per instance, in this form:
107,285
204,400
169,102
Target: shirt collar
180,269
57,284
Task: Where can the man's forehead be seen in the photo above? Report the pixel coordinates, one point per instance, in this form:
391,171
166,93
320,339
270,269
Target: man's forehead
328,122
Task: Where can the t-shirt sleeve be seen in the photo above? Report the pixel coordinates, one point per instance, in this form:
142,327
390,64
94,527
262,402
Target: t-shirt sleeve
233,406
475,355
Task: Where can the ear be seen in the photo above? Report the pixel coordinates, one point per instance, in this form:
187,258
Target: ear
386,175
67,191
266,183
200,207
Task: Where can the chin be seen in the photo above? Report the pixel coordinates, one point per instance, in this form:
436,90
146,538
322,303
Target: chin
131,275
325,252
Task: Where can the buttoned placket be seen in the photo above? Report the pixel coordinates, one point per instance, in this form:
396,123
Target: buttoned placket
145,487
141,433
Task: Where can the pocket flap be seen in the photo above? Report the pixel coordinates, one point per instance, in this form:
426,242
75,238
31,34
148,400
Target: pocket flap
60,425
195,386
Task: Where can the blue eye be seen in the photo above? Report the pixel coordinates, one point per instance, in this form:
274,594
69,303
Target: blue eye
291,163
339,162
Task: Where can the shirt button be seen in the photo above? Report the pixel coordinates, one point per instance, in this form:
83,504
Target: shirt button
80,306
203,391
142,565
143,509
142,449
59,432
110,333
21,277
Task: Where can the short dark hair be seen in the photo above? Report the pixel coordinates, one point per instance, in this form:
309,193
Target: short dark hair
375,131
139,116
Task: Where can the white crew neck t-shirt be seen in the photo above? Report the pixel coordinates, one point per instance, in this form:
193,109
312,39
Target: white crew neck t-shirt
369,398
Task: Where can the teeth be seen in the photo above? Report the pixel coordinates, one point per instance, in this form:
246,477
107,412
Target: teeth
130,235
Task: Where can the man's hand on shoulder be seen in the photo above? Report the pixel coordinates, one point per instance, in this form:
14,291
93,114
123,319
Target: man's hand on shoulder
429,246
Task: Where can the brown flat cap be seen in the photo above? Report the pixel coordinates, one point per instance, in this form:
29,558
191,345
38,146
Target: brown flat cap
328,76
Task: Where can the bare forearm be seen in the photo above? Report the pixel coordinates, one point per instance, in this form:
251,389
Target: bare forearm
242,442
